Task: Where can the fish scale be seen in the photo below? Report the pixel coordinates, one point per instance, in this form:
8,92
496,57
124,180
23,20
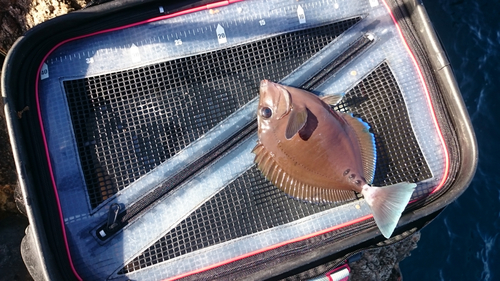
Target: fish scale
288,154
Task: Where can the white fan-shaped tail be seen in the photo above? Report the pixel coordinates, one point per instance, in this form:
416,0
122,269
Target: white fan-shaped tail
387,204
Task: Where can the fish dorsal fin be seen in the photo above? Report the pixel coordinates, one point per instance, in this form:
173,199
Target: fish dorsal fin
297,120
293,186
366,142
332,99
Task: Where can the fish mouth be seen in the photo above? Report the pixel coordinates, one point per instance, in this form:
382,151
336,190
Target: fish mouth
280,94
264,84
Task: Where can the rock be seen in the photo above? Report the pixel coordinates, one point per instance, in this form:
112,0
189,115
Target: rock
382,264
11,232
17,16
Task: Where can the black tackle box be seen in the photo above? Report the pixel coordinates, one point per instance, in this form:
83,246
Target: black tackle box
132,125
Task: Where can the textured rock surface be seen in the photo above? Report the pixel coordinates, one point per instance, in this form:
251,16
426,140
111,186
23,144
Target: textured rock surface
17,16
383,263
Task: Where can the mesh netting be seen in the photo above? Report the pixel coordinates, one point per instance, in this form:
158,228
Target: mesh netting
127,123
378,101
251,203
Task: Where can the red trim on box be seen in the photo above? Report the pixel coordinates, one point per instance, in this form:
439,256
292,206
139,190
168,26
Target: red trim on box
201,8
61,218
429,103
337,269
275,246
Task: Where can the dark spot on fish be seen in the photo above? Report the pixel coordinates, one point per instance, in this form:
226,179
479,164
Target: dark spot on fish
352,176
346,172
266,112
308,129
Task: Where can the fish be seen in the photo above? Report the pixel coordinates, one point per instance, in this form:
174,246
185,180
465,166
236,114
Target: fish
316,154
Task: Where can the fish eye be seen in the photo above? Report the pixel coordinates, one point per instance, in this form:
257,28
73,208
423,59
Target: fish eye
266,112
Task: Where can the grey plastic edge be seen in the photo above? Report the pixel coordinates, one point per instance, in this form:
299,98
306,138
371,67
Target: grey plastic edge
454,104
35,242
29,252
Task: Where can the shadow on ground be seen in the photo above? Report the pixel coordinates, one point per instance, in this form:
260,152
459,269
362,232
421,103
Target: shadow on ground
12,227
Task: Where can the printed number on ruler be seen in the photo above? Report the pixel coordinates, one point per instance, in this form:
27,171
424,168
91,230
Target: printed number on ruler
221,34
301,15
44,72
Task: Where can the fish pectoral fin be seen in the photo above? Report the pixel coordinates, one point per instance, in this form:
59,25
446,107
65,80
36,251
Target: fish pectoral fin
309,127
297,120
332,99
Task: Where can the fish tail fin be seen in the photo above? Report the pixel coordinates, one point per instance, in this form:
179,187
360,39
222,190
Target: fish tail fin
387,204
